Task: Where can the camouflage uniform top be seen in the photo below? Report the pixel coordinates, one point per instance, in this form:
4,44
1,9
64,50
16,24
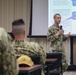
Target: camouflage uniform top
56,41
8,64
29,48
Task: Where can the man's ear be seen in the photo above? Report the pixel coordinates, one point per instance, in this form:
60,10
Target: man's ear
24,32
12,32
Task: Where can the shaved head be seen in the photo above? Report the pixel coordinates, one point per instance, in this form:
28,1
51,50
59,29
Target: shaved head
18,26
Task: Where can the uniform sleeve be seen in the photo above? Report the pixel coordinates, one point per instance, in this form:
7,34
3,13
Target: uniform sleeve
38,50
42,55
64,38
51,36
8,56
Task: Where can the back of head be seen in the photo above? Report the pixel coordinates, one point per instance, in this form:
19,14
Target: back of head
18,26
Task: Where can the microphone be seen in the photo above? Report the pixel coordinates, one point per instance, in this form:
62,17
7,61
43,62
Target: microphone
60,27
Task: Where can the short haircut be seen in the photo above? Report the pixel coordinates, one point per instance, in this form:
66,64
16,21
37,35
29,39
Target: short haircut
18,26
56,15
18,22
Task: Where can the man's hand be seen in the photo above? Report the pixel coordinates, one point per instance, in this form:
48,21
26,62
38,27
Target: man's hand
68,35
59,32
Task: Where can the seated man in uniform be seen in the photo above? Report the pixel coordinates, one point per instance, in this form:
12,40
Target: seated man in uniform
8,63
21,46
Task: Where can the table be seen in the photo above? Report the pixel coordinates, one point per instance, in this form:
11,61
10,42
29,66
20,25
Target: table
29,70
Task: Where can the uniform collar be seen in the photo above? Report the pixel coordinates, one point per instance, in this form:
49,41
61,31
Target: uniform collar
19,40
55,26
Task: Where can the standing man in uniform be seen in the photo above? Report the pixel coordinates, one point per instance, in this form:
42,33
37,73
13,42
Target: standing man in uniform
8,63
56,37
21,46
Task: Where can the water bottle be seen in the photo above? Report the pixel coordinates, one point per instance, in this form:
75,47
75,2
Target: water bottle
50,51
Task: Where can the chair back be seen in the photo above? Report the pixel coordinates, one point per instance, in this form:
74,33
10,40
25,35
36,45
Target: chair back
35,59
58,63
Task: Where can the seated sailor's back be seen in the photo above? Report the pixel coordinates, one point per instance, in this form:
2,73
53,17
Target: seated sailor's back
8,64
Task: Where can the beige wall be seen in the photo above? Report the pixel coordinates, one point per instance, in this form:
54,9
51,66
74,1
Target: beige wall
13,9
